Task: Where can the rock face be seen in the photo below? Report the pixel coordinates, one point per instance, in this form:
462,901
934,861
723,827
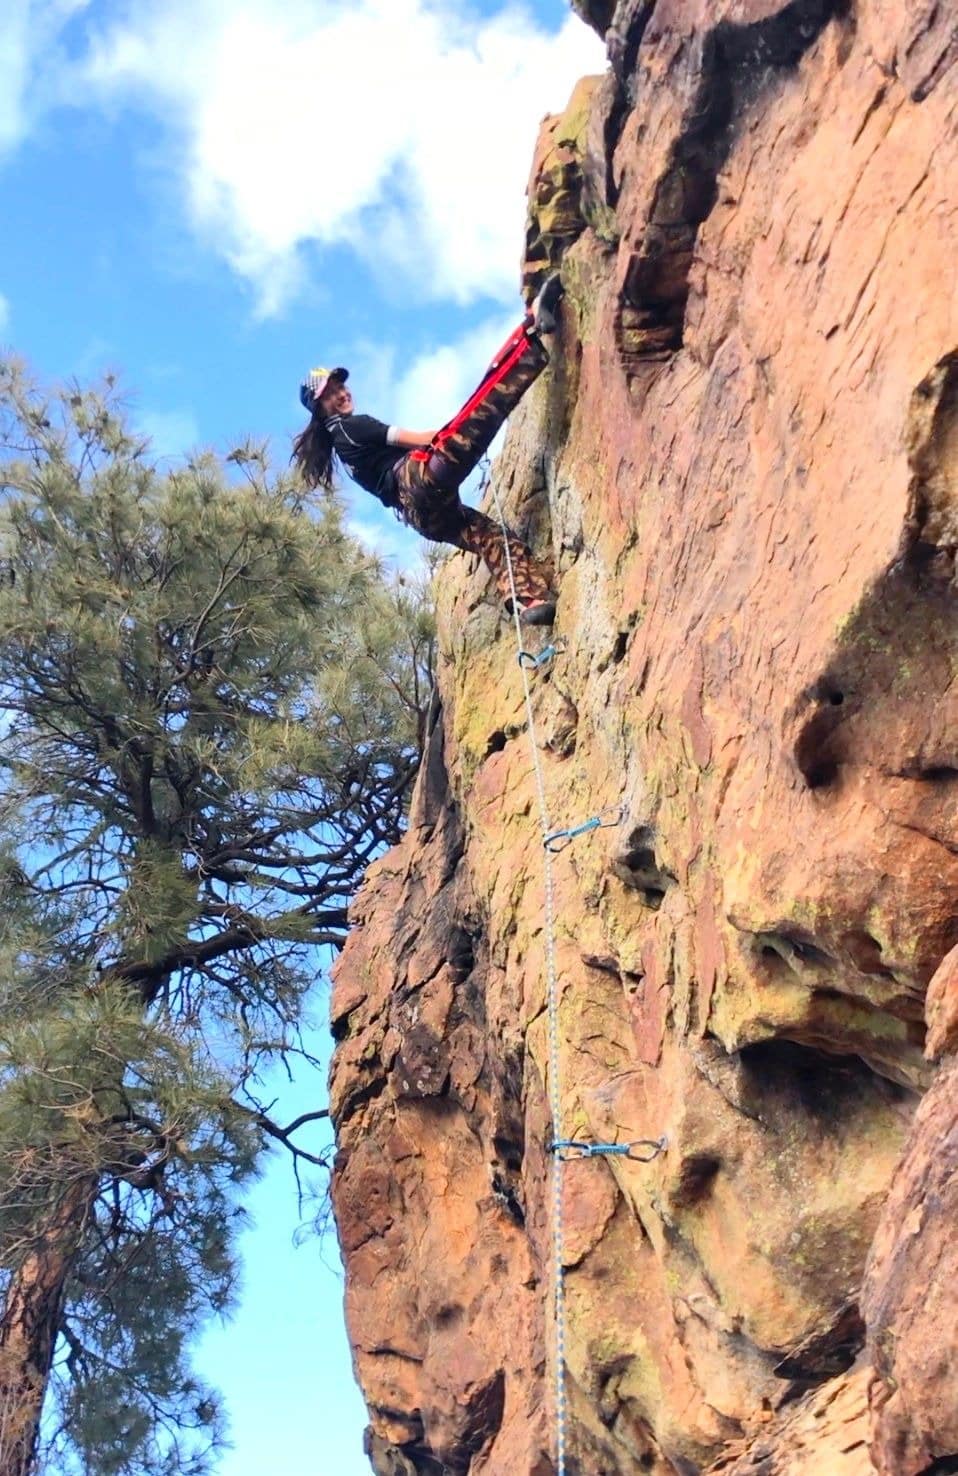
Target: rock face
744,462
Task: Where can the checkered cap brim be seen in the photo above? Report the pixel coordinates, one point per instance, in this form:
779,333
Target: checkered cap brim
315,382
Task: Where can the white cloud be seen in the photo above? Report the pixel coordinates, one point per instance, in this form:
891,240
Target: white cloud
14,69
433,386
401,128
29,32
172,433
424,392
388,539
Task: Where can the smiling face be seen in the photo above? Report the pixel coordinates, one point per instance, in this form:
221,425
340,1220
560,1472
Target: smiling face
336,399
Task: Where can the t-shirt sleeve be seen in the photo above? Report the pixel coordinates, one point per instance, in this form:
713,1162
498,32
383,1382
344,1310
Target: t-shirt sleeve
364,430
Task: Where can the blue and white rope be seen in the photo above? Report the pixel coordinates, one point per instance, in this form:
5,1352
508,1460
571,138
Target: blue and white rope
552,1006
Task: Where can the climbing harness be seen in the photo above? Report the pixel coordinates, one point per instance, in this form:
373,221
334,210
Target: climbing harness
562,1150
559,839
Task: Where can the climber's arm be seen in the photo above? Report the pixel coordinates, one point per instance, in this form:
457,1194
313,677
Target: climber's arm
408,439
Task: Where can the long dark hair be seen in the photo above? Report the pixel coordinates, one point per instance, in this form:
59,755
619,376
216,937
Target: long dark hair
313,453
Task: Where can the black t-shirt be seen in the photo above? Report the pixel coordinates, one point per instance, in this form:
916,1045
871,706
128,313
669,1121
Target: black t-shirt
360,443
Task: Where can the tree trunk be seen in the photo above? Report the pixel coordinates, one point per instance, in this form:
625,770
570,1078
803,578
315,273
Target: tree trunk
31,1321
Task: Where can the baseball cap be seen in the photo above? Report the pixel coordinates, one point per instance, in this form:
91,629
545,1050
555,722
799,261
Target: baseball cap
315,383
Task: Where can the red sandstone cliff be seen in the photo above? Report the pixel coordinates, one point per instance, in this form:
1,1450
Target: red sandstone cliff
744,462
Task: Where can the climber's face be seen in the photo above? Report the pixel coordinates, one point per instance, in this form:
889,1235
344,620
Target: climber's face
336,399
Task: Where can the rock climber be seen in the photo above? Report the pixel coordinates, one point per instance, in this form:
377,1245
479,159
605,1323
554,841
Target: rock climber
419,473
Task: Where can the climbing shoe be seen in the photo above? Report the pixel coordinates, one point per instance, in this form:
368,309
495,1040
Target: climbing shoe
538,612
545,304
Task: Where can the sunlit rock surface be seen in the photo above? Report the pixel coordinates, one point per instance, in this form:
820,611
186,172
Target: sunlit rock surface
744,463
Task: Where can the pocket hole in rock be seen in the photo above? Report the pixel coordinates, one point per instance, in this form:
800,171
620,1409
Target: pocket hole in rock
696,1175
461,953
821,774
339,1028
785,1078
508,1198
866,954
496,742
508,1152
828,1351
639,870
789,950
816,752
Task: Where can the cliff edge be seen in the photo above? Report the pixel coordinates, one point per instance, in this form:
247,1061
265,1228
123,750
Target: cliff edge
744,462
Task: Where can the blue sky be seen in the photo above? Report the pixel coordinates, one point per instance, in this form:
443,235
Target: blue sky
208,197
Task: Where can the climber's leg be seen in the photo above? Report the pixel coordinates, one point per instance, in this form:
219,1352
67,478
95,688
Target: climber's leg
437,512
463,442
480,535
428,480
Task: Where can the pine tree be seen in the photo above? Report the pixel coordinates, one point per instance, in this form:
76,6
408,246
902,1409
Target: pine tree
213,706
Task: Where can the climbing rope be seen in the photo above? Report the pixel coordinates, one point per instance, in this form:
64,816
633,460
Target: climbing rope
563,1150
552,1010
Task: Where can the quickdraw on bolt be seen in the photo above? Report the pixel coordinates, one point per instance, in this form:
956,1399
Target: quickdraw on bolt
549,653
640,1150
559,839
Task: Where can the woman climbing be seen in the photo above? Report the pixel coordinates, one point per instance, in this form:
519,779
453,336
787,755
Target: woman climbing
419,473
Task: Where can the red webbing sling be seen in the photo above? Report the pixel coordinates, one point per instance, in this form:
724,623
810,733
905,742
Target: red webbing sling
510,354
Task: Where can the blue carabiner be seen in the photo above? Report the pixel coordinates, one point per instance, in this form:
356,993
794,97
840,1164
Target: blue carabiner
547,654
596,823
